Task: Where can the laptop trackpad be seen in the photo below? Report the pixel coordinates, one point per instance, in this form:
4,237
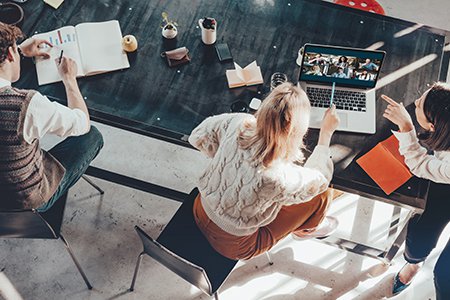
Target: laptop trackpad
343,120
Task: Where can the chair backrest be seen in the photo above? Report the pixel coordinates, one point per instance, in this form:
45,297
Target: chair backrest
191,255
25,224
182,267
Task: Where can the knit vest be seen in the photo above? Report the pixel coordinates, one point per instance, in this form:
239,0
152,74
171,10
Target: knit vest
29,176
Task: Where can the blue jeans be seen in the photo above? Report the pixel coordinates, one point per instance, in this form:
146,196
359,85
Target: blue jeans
75,154
423,234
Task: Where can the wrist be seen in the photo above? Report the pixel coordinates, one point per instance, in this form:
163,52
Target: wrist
325,138
69,81
19,49
406,127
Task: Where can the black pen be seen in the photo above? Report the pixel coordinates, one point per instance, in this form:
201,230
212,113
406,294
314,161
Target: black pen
60,56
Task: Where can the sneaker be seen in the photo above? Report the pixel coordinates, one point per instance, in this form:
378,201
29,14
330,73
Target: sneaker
326,228
399,286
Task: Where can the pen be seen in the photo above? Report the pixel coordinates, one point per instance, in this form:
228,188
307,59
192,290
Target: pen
60,56
332,94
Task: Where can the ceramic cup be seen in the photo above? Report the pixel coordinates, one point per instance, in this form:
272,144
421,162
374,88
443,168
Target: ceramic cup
209,36
299,57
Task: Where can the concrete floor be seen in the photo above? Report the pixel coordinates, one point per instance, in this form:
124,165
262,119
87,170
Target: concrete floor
102,236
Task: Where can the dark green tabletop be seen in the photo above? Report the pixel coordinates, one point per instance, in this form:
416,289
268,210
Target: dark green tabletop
168,103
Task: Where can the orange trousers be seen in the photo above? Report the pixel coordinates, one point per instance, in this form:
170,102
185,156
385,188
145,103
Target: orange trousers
306,215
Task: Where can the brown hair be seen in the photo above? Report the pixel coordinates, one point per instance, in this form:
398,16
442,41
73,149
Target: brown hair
436,107
9,34
281,123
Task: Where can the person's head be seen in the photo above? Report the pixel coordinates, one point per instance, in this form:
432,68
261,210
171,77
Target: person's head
341,70
368,60
433,115
316,68
343,59
9,54
281,123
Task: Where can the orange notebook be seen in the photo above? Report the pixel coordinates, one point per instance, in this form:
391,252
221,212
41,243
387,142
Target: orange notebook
385,165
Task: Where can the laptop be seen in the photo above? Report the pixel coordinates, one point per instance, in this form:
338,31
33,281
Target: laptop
354,74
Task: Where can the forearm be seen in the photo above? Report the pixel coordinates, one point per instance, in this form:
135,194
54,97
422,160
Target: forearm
419,162
74,97
324,138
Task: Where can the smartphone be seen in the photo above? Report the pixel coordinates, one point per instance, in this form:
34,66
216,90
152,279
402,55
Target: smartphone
223,52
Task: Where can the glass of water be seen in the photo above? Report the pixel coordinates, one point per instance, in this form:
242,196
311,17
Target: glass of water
276,79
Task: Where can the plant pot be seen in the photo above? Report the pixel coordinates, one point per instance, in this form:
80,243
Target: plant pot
169,31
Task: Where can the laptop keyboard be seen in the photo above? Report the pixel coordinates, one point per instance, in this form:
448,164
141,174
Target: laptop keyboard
345,100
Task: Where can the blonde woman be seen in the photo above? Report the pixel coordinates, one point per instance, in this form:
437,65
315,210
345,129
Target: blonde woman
253,192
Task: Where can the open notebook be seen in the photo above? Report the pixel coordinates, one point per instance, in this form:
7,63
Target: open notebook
96,48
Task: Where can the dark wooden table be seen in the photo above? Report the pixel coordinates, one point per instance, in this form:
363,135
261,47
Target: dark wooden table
167,103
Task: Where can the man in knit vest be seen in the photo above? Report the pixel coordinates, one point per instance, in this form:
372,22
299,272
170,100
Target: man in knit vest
29,176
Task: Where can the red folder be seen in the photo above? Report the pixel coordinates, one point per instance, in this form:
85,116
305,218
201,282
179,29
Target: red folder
385,165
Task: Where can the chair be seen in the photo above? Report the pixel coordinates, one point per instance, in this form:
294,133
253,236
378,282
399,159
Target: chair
182,248
31,224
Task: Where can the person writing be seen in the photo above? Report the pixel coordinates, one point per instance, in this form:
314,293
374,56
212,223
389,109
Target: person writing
29,176
433,115
253,193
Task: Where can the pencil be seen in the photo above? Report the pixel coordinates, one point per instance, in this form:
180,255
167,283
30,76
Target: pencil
332,94
60,56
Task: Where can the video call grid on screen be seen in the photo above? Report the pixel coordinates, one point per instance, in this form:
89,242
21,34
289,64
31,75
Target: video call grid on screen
343,66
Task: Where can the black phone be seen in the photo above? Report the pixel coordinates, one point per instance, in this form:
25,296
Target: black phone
223,52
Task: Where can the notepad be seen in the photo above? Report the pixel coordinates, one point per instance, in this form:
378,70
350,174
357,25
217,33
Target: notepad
385,165
250,75
54,3
95,47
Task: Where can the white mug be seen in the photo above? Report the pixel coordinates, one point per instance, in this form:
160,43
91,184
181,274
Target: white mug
208,35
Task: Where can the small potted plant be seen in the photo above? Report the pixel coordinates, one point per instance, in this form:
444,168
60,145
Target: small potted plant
169,27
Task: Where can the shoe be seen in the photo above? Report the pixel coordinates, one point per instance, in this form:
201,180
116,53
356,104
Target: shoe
325,228
399,286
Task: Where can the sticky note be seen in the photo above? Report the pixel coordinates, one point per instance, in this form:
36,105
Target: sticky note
54,3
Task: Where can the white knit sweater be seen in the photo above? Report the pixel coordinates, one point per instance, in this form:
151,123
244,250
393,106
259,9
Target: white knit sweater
239,195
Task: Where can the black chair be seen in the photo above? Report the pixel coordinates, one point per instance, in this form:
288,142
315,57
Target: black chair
31,224
182,248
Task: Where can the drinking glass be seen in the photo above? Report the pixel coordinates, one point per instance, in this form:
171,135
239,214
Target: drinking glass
276,79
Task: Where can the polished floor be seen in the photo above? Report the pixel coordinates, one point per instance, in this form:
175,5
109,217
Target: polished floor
102,236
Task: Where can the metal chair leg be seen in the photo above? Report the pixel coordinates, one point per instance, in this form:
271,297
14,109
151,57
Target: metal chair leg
269,258
89,286
136,270
93,184
216,296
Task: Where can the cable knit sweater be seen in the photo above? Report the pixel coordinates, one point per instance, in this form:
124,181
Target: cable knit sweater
240,195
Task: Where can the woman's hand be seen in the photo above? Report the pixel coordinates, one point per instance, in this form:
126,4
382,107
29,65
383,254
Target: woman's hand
397,114
329,125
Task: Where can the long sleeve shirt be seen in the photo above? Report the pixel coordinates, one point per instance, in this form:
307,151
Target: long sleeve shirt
239,195
433,167
44,116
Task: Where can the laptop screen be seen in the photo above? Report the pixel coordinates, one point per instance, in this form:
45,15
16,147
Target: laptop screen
345,66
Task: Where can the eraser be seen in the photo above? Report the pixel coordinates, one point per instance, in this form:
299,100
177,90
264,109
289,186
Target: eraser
255,103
